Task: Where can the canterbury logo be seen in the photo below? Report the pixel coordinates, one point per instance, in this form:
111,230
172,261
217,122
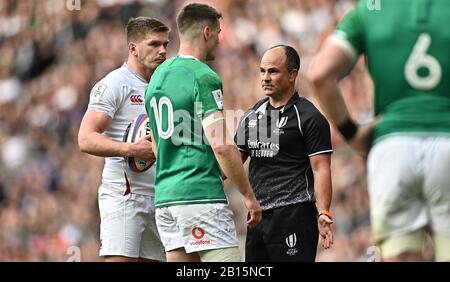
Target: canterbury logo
282,122
136,99
291,240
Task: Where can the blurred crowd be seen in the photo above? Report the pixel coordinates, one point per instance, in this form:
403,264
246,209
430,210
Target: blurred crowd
53,51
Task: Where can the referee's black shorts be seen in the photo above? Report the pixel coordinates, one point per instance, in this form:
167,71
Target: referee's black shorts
285,234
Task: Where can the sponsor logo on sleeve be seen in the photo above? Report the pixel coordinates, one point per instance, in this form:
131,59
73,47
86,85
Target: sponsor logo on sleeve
218,97
98,91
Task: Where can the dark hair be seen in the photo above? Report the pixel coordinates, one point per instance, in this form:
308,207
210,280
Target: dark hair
138,28
292,57
195,13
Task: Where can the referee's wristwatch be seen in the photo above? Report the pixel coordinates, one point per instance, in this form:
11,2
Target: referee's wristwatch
325,213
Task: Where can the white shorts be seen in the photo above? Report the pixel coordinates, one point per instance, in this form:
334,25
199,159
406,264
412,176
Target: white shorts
196,227
128,225
409,186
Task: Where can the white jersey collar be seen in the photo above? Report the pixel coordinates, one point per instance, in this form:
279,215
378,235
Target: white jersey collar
188,57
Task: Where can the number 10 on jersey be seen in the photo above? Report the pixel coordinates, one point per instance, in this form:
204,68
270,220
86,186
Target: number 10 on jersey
158,115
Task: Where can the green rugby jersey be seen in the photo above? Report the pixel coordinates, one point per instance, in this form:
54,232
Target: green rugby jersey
407,43
182,91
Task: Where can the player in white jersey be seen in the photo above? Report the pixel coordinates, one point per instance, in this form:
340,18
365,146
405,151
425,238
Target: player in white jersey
128,231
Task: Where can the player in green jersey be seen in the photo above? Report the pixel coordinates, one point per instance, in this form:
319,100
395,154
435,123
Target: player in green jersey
184,97
409,160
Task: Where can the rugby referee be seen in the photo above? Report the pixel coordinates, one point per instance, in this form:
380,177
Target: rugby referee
289,145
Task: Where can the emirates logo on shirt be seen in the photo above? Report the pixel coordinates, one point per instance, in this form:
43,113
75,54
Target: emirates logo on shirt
136,100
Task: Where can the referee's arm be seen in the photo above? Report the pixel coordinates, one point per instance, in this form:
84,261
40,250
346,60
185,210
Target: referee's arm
322,186
322,180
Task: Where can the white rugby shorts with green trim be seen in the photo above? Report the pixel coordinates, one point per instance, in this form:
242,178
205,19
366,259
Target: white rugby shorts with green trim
196,227
409,186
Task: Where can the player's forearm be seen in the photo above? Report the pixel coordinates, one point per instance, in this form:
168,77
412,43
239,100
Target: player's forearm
230,161
331,101
226,152
327,68
100,145
323,188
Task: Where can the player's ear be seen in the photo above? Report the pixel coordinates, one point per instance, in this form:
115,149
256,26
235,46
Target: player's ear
132,49
206,31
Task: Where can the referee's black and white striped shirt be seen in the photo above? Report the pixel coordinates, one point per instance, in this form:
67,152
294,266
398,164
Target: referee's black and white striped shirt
279,142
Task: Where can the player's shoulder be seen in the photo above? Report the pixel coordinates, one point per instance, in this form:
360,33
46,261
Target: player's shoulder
204,72
188,66
111,80
117,77
200,69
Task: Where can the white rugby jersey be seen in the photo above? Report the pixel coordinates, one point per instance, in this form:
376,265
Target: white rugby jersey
120,95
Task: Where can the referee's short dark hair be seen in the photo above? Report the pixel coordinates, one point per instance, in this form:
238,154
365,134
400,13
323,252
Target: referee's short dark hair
194,14
292,57
138,28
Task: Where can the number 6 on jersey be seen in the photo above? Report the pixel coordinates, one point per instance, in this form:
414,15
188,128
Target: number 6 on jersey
420,59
